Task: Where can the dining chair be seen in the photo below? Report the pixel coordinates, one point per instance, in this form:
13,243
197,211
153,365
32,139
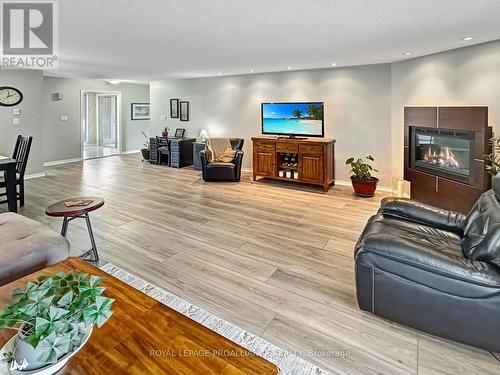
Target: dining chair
162,149
20,154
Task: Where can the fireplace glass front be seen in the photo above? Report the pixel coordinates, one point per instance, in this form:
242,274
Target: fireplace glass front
445,153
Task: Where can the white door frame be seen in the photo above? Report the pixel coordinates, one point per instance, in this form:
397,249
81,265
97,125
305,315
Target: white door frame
99,95
118,116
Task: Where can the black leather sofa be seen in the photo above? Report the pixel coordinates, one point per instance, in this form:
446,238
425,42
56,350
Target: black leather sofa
434,270
217,171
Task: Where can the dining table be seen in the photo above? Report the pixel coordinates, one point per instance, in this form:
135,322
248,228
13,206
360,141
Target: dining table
8,166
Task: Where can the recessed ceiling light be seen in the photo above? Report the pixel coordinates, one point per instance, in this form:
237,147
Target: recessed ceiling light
407,53
334,64
467,38
251,70
219,74
113,81
289,68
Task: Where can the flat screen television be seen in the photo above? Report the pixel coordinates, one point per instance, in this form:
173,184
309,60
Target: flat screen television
293,119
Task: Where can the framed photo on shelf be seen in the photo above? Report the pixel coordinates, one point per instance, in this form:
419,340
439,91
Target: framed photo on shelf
179,132
184,111
140,111
174,108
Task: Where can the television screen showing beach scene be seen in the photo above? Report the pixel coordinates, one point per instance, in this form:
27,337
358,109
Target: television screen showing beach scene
304,119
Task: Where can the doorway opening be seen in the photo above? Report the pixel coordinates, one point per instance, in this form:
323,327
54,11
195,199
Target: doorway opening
101,135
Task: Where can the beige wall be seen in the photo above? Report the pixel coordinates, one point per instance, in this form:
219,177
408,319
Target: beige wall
467,76
357,108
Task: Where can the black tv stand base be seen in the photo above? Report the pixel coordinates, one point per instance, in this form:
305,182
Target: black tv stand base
291,137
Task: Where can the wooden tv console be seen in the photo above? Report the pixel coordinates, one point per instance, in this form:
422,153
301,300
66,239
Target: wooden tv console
315,159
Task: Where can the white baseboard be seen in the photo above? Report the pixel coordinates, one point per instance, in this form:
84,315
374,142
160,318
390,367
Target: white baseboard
130,152
57,162
34,175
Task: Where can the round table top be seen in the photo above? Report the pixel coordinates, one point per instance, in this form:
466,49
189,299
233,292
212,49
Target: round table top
60,209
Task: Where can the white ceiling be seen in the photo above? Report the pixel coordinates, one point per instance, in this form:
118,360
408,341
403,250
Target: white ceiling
143,40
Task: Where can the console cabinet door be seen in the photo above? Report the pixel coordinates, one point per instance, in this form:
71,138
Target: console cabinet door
311,168
264,163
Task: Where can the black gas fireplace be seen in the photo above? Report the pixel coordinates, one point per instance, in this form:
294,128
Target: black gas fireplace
443,152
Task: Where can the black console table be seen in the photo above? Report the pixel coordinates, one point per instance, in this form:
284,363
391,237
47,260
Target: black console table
181,151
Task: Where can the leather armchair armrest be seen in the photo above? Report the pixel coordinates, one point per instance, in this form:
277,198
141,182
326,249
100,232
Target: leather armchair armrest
375,249
417,212
238,161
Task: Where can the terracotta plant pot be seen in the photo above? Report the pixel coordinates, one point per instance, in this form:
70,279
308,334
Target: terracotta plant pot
145,153
364,188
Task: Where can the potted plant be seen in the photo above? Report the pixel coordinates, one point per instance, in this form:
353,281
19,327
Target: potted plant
363,182
54,317
164,133
492,160
146,151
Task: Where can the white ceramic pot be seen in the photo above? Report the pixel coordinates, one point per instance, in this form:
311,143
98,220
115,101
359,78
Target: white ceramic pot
24,351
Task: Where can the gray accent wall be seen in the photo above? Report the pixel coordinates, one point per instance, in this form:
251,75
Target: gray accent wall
357,108
30,83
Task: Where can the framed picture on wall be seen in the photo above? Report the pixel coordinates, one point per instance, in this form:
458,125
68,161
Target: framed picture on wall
174,108
184,111
140,111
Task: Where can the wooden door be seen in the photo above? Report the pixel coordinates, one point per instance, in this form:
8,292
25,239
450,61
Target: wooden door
311,167
264,163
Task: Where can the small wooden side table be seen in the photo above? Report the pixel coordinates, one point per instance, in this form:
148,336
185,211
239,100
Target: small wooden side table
59,209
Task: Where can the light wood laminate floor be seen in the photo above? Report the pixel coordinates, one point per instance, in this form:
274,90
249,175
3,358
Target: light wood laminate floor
274,259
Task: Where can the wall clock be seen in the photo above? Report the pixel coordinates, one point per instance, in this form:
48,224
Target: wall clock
10,96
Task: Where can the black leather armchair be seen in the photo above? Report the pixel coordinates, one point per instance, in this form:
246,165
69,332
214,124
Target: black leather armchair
218,171
434,270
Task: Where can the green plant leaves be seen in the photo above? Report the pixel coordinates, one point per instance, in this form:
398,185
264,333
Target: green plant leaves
66,299
58,310
55,313
41,325
361,170
52,347
100,312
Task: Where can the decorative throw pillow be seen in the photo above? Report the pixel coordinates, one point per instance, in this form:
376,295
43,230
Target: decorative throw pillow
217,147
227,156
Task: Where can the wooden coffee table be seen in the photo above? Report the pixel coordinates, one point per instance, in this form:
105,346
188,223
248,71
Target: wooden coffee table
141,325
60,209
